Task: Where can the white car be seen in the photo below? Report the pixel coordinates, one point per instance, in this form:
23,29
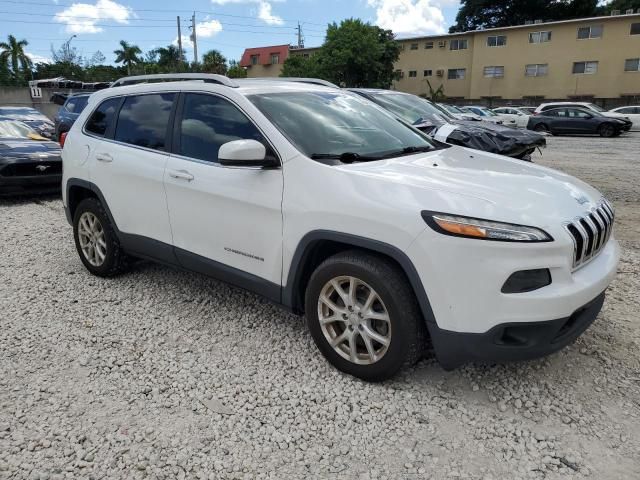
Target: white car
491,116
458,112
520,117
630,112
319,200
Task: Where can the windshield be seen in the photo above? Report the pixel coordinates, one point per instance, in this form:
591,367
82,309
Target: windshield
595,107
412,109
13,129
21,113
327,124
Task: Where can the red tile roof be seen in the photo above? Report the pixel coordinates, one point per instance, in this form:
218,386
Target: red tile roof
264,54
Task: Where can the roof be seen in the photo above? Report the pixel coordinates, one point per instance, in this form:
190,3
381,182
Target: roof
264,54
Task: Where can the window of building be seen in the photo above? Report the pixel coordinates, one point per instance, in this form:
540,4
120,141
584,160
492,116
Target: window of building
275,58
594,31
102,119
460,44
585,67
494,72
539,37
428,45
414,46
632,65
456,73
536,69
208,122
428,73
399,74
255,59
635,29
413,73
497,41
143,120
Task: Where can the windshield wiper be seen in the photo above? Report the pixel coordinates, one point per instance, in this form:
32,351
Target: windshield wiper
346,157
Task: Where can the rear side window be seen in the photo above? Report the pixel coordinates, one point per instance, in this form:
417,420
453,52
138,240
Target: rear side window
103,117
207,122
76,104
143,120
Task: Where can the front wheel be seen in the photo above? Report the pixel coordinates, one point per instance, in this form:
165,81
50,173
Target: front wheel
607,130
363,315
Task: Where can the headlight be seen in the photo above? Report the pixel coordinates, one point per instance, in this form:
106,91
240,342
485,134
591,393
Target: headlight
468,227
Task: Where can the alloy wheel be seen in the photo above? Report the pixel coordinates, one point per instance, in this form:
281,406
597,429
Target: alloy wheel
92,239
354,320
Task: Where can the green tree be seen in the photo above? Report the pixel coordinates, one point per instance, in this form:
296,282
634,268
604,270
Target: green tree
622,5
128,55
214,62
299,66
479,14
14,56
235,70
170,59
437,94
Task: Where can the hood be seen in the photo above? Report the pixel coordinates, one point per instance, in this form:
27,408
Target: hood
22,148
615,115
465,182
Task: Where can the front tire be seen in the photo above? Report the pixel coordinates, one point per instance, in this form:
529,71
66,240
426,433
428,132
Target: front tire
364,316
607,130
96,240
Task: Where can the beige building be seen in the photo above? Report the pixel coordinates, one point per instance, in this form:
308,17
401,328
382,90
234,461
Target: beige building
590,58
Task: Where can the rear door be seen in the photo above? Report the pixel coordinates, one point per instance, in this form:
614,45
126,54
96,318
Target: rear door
128,163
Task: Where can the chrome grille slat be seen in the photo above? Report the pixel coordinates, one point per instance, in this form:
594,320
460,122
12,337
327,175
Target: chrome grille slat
590,233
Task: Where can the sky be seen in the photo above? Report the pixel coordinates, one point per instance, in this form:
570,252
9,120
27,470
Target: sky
229,26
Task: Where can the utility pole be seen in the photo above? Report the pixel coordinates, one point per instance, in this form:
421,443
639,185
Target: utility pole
194,38
179,40
300,37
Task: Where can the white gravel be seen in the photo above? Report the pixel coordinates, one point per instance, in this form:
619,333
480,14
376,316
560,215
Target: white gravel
165,374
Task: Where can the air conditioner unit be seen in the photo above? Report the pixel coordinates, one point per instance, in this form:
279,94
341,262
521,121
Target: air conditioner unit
615,12
629,11
537,22
442,43
440,73
528,22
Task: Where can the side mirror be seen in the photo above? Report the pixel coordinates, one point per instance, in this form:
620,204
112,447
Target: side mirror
245,153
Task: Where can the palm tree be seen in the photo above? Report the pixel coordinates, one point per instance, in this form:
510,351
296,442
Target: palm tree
214,62
436,95
170,57
13,53
128,55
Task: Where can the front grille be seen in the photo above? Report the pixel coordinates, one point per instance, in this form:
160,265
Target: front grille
590,233
32,169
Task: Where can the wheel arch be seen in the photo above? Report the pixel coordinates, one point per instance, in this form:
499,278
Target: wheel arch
318,245
77,190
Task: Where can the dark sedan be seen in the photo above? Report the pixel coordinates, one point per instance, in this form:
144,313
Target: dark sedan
31,117
29,163
69,112
575,120
425,116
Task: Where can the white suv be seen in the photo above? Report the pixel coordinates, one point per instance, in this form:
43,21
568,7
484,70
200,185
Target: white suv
324,203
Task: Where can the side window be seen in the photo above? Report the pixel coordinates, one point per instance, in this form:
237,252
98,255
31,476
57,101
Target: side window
102,118
208,122
143,120
71,105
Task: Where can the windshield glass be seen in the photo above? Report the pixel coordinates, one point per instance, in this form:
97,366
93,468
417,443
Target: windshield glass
412,109
12,129
323,124
21,113
595,107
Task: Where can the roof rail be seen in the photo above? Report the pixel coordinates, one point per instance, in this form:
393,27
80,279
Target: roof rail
175,77
313,81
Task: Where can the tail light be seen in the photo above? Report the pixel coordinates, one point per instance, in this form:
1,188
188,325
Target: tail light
63,137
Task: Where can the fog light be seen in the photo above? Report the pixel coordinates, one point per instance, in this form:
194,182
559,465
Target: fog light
527,281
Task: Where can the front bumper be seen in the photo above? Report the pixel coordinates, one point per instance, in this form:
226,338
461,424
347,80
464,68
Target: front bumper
23,177
513,341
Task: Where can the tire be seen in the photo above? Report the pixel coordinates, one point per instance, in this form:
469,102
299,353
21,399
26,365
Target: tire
606,130
404,330
107,259
541,127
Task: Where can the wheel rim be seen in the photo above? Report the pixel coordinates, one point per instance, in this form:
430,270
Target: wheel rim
92,240
354,320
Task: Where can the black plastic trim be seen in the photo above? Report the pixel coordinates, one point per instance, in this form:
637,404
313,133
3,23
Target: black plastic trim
524,281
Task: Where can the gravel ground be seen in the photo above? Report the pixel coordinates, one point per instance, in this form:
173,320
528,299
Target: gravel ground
165,374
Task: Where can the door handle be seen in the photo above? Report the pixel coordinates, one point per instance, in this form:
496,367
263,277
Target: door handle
104,157
181,175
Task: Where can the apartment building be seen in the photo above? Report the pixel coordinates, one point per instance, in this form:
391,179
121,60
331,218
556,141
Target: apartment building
590,58
264,61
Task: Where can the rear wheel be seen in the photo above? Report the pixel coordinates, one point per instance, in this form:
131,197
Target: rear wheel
541,127
607,130
363,315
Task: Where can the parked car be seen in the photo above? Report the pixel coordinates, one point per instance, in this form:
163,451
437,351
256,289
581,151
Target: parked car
325,203
526,109
458,113
490,115
425,116
632,113
69,112
31,117
29,163
568,120
517,115
592,107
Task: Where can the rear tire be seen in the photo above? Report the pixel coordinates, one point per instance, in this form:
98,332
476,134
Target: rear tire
607,130
363,305
541,127
96,240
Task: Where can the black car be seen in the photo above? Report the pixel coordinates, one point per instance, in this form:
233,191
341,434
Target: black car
576,120
442,126
29,163
31,117
69,112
